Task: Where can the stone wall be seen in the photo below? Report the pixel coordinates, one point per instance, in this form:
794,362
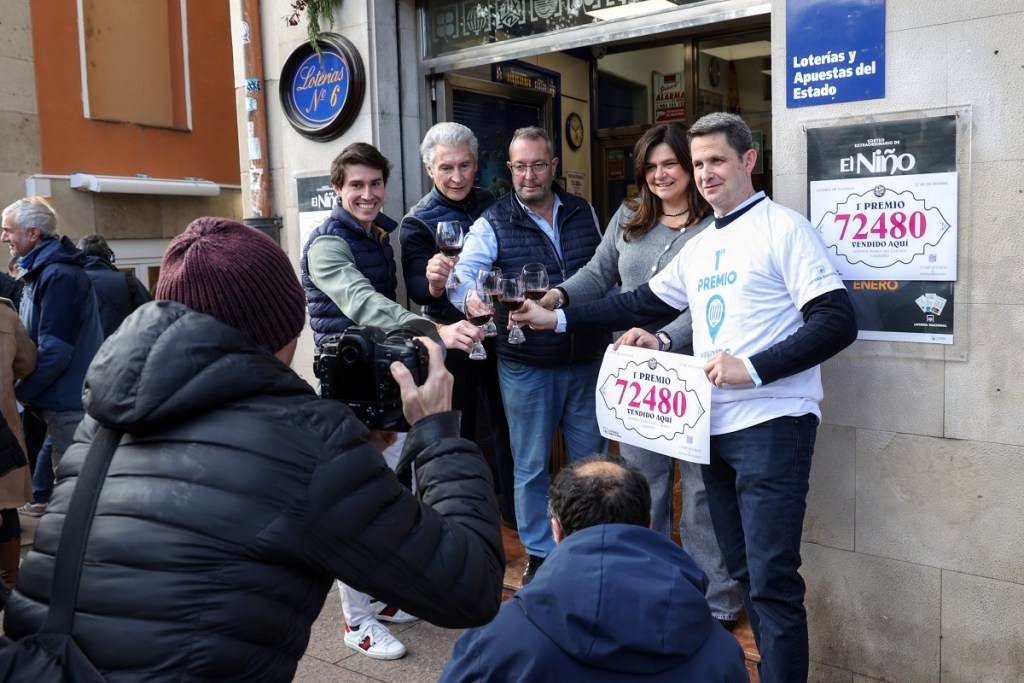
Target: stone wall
914,541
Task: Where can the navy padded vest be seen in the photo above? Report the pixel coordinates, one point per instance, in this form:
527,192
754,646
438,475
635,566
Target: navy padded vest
418,233
521,241
373,256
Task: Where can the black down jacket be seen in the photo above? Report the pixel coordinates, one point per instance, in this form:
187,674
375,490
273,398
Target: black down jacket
234,499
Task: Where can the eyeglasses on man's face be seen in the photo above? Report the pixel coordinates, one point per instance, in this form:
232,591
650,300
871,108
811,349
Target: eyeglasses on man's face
537,167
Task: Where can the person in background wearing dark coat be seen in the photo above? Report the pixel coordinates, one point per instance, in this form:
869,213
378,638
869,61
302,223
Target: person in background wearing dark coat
236,495
614,601
117,293
10,285
59,311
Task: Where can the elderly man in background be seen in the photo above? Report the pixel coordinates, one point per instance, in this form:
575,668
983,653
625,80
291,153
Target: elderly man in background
59,310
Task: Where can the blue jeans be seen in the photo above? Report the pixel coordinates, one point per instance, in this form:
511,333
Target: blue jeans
537,402
62,426
724,595
42,475
757,490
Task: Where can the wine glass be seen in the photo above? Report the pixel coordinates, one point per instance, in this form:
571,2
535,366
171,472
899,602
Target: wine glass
535,281
511,296
482,317
487,283
449,241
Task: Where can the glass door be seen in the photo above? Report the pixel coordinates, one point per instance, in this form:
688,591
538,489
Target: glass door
614,181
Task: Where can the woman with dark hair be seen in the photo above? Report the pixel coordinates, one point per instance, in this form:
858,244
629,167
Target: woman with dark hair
642,237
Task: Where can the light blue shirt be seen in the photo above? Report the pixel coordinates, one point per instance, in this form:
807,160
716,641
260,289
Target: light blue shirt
480,249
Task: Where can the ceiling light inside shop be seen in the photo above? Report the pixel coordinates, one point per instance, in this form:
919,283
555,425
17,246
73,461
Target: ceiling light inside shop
731,53
634,9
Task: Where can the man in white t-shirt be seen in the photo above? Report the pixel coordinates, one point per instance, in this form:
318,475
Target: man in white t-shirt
767,309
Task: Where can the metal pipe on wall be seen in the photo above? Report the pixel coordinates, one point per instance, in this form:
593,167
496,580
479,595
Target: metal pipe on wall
254,97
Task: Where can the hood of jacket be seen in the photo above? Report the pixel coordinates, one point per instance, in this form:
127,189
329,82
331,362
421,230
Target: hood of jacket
99,263
620,598
167,363
49,251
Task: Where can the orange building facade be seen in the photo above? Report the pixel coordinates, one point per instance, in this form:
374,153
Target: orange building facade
123,116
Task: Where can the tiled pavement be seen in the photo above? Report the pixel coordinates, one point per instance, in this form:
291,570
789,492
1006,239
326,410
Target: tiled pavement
328,660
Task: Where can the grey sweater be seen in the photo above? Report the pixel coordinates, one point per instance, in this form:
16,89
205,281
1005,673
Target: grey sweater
633,263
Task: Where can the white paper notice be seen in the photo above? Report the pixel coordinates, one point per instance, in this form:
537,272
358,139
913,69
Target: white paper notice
655,400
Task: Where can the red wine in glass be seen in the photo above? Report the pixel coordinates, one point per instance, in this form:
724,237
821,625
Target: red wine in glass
535,281
449,238
512,304
487,289
480,316
510,295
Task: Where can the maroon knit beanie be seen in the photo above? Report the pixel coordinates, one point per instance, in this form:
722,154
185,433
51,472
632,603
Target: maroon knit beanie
239,276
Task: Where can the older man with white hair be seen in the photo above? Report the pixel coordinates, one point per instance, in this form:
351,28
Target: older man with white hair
59,311
450,151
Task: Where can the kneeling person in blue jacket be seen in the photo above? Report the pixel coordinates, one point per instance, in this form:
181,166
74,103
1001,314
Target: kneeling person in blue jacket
615,601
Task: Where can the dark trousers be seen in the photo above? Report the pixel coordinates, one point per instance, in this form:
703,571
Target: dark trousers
757,490
477,394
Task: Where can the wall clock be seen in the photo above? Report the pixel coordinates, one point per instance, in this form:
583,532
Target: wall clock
574,130
714,72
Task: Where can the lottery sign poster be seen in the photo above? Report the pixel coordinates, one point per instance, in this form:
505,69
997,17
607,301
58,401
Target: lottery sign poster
655,400
903,310
316,199
884,198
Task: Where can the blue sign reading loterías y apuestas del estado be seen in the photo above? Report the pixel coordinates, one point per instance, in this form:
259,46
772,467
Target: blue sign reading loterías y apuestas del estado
322,92
835,51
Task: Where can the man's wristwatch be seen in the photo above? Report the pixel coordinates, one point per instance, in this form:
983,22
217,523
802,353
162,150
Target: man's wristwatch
561,298
664,341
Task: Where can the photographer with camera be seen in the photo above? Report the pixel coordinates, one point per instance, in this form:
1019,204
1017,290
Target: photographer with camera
350,277
236,495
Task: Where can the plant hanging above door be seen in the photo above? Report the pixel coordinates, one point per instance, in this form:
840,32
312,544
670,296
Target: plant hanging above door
317,12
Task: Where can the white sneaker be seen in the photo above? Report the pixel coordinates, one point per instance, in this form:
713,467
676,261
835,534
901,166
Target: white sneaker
33,509
374,640
391,614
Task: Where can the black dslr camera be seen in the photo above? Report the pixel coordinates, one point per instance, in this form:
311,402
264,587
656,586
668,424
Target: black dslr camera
354,368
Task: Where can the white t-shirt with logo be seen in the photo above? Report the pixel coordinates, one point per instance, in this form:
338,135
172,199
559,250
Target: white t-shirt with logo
745,285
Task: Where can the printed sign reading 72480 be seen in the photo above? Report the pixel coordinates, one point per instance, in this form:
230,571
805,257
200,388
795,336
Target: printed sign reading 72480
656,398
879,229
